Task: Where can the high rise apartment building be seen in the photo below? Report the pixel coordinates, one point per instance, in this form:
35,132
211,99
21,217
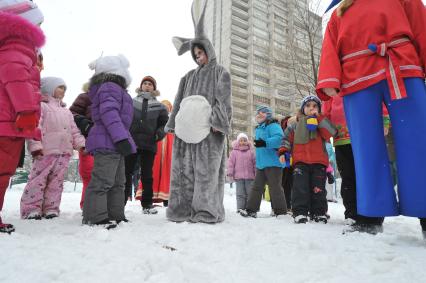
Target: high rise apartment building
252,39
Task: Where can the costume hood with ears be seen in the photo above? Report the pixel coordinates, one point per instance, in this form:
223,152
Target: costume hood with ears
184,45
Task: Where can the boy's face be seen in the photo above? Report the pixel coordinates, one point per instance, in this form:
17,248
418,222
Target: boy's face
200,56
59,92
147,86
260,117
311,108
243,141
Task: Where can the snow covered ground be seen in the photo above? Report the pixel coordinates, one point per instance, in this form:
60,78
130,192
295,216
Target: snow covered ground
239,250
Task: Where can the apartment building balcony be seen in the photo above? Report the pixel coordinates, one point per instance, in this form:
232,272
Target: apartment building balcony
240,61
241,42
240,13
239,31
239,51
239,80
238,70
239,22
239,92
239,100
241,4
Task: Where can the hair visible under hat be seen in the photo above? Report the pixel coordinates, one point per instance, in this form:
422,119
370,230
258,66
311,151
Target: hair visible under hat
310,98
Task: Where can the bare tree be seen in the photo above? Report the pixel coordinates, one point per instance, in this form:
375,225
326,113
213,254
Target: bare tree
305,45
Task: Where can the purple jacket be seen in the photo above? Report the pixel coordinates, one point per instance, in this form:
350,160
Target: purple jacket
241,162
112,114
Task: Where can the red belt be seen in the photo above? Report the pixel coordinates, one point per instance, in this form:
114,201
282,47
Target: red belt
393,72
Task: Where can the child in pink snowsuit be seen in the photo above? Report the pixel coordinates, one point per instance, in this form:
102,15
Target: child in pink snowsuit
60,135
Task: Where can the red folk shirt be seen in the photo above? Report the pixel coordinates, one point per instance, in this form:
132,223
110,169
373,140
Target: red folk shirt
349,61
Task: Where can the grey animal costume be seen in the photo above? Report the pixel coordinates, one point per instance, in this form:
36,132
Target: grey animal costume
198,170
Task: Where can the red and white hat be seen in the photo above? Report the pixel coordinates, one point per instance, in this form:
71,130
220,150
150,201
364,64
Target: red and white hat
24,8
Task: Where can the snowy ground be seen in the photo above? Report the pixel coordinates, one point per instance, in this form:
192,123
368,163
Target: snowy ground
239,250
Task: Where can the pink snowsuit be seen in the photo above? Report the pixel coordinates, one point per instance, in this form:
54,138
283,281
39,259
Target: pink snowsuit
60,135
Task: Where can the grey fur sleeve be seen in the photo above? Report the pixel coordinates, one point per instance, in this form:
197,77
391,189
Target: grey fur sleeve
222,107
176,105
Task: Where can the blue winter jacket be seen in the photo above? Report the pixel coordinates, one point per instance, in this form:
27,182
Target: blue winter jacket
269,131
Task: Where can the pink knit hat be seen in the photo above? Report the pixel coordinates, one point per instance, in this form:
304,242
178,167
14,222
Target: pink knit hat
24,8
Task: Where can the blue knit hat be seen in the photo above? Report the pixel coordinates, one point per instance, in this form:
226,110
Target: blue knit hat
265,109
310,98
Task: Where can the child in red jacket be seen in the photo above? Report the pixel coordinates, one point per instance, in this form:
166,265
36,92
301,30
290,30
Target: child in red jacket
306,141
20,37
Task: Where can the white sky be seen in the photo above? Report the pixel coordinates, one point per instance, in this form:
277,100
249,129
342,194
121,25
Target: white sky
78,31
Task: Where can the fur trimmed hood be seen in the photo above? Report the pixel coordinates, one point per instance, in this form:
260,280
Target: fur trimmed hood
13,26
155,93
104,77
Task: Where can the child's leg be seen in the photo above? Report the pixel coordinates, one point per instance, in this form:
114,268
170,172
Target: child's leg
10,151
287,184
248,184
32,197
95,207
346,166
301,193
55,185
274,178
318,176
147,163
240,194
116,194
85,168
129,166
364,116
255,197
408,118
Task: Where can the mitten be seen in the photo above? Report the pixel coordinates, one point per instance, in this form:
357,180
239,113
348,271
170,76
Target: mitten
259,143
37,153
312,123
26,121
124,147
83,124
159,134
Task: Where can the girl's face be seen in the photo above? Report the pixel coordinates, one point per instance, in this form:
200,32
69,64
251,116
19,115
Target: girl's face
311,108
200,56
59,92
243,141
260,117
147,86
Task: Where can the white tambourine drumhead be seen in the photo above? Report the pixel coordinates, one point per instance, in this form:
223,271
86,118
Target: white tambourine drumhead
192,122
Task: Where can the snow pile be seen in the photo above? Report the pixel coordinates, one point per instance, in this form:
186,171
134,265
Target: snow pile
151,249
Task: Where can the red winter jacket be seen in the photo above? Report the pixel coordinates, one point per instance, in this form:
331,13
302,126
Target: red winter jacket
395,27
333,109
19,75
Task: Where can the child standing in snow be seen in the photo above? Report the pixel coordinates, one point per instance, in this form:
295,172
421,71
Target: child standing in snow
109,140
242,168
268,167
60,135
306,140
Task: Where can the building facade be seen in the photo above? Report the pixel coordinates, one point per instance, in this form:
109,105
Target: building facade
264,45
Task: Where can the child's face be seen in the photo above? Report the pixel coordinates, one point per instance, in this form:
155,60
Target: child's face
147,86
200,56
260,117
243,141
311,108
59,92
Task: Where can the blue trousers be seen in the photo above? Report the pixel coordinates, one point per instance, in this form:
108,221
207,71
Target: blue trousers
375,193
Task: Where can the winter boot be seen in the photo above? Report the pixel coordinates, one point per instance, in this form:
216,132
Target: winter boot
150,209
248,213
33,216
107,224
372,229
300,219
423,224
320,218
51,214
6,228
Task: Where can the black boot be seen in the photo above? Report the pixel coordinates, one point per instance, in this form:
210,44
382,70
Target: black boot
364,224
423,224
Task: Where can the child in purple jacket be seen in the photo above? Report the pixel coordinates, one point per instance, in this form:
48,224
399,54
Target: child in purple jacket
242,168
109,141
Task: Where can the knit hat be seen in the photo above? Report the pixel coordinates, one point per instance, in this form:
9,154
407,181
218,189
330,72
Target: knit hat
117,65
310,98
24,8
265,109
241,136
150,79
49,84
